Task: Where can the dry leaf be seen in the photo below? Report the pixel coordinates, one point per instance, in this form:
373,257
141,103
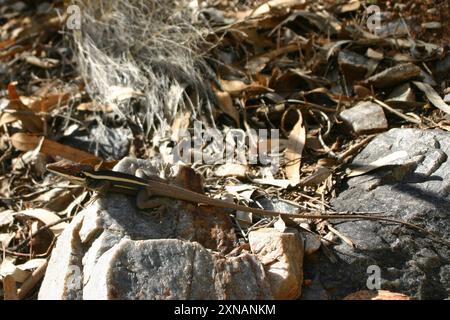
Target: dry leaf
376,295
180,125
46,217
45,63
27,142
30,121
384,161
267,6
8,268
281,183
32,264
233,87
231,170
6,218
433,96
226,105
294,150
5,239
48,102
316,178
280,225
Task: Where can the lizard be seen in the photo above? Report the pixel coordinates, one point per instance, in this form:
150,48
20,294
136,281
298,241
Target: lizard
144,189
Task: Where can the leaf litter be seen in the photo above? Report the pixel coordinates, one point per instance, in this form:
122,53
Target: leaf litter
288,65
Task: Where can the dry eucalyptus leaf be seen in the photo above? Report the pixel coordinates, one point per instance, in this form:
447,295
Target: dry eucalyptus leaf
32,264
433,96
8,268
46,217
27,142
5,239
6,218
294,150
281,183
384,161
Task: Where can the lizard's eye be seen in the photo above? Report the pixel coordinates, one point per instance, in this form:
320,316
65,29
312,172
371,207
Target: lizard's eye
81,175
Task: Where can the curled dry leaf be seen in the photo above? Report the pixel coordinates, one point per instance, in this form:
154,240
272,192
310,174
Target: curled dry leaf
294,150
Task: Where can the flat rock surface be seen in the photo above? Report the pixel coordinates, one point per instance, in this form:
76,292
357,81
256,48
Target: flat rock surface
409,262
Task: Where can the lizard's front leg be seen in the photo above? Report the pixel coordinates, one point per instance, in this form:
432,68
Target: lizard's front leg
144,200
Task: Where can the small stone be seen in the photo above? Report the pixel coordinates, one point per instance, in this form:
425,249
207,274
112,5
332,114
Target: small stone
395,75
281,253
365,117
352,64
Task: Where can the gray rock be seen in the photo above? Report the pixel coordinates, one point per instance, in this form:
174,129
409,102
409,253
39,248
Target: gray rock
410,263
365,117
174,269
111,250
352,63
393,76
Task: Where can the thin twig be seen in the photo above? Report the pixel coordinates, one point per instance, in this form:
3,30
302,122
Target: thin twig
398,113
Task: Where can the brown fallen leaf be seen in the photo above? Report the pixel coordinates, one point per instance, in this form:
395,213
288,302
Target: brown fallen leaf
258,63
27,142
226,105
294,150
48,102
30,121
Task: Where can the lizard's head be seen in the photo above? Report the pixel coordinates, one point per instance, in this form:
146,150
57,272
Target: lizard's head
70,170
